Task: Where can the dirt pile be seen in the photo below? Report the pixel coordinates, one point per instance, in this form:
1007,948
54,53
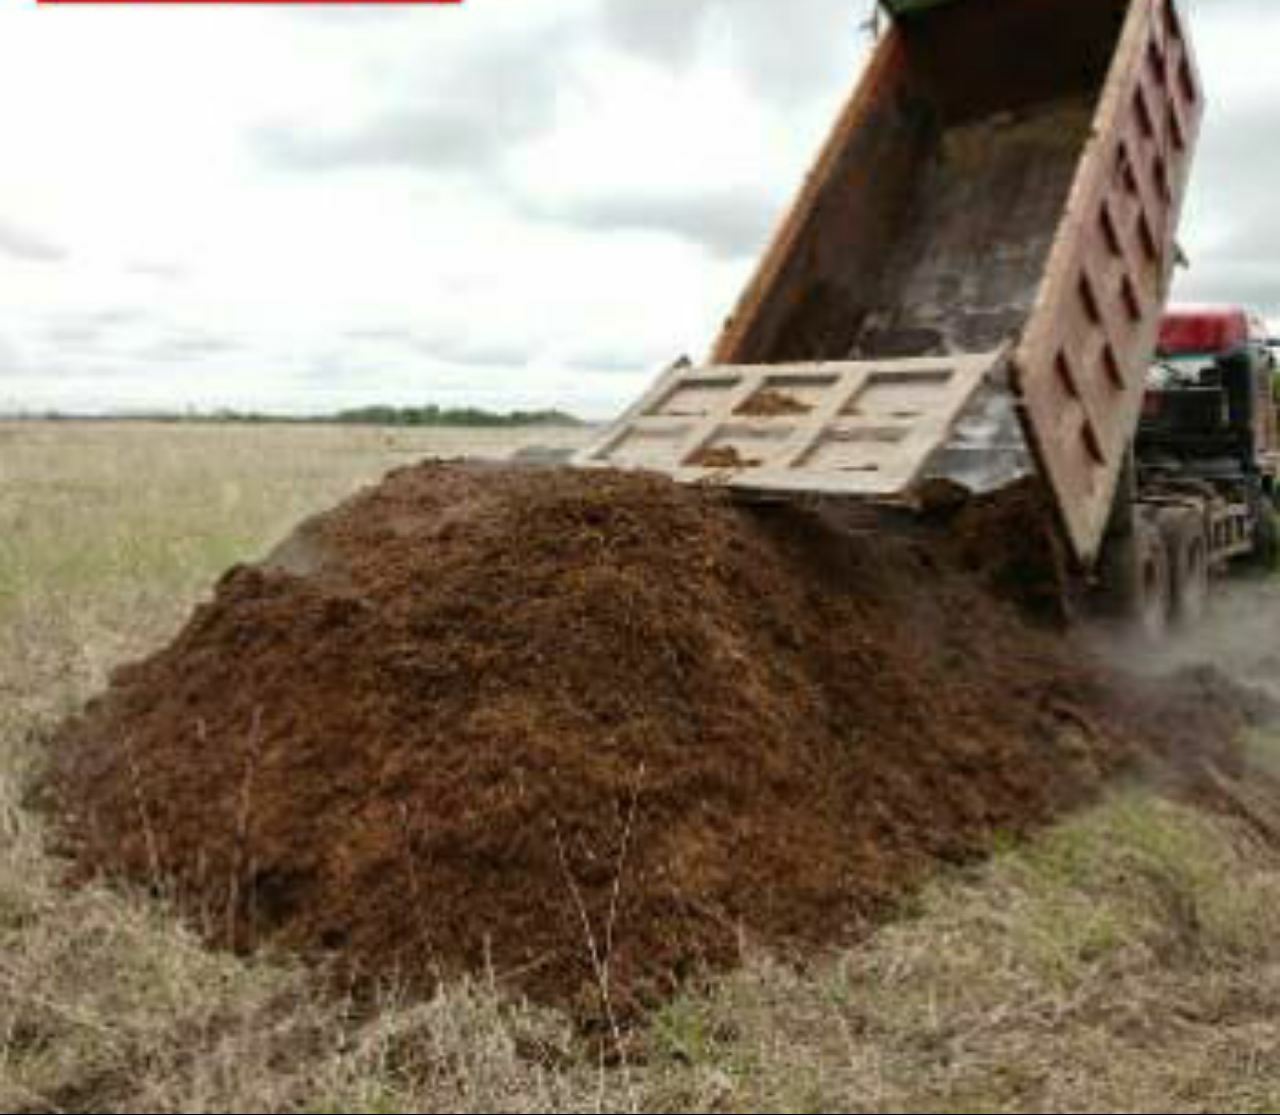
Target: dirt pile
1008,540
583,731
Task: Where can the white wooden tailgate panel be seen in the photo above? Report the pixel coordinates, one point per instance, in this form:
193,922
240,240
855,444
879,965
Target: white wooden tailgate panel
850,428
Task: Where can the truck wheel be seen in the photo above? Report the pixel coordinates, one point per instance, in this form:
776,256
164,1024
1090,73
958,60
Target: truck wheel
1137,580
1187,547
1266,537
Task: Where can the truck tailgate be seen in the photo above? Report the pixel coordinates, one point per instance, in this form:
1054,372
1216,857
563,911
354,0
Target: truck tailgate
859,428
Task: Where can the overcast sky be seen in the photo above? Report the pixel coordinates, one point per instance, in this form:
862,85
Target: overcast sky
513,203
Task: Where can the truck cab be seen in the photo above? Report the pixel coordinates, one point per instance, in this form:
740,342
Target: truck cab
1209,407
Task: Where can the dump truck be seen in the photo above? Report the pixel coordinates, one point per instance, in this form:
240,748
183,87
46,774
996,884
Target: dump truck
969,290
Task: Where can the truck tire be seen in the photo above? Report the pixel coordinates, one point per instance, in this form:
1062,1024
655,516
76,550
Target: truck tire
1187,547
1266,537
1138,583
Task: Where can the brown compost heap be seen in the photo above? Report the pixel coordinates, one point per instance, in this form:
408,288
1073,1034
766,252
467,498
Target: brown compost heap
586,731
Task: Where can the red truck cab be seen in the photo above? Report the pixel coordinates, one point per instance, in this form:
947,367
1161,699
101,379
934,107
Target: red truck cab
1217,363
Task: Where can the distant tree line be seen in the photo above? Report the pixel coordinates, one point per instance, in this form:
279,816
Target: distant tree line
452,416
359,416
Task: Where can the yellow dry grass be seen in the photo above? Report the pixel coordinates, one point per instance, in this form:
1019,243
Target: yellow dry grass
1127,961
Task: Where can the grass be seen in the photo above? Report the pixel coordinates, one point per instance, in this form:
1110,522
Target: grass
1126,961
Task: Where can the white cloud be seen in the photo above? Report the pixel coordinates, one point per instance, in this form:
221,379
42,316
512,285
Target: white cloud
513,204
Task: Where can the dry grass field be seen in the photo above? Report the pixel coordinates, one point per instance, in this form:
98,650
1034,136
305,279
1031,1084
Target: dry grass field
1126,961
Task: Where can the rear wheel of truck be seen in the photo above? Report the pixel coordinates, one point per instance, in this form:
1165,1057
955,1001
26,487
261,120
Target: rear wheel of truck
1138,581
1187,549
1266,537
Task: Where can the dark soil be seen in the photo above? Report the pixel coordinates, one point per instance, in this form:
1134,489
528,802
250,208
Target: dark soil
585,730
773,404
1009,540
722,456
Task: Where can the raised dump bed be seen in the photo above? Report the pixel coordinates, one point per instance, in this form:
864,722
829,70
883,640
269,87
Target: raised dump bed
992,224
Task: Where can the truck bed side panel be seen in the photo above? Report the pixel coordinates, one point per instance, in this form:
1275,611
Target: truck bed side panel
1080,368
